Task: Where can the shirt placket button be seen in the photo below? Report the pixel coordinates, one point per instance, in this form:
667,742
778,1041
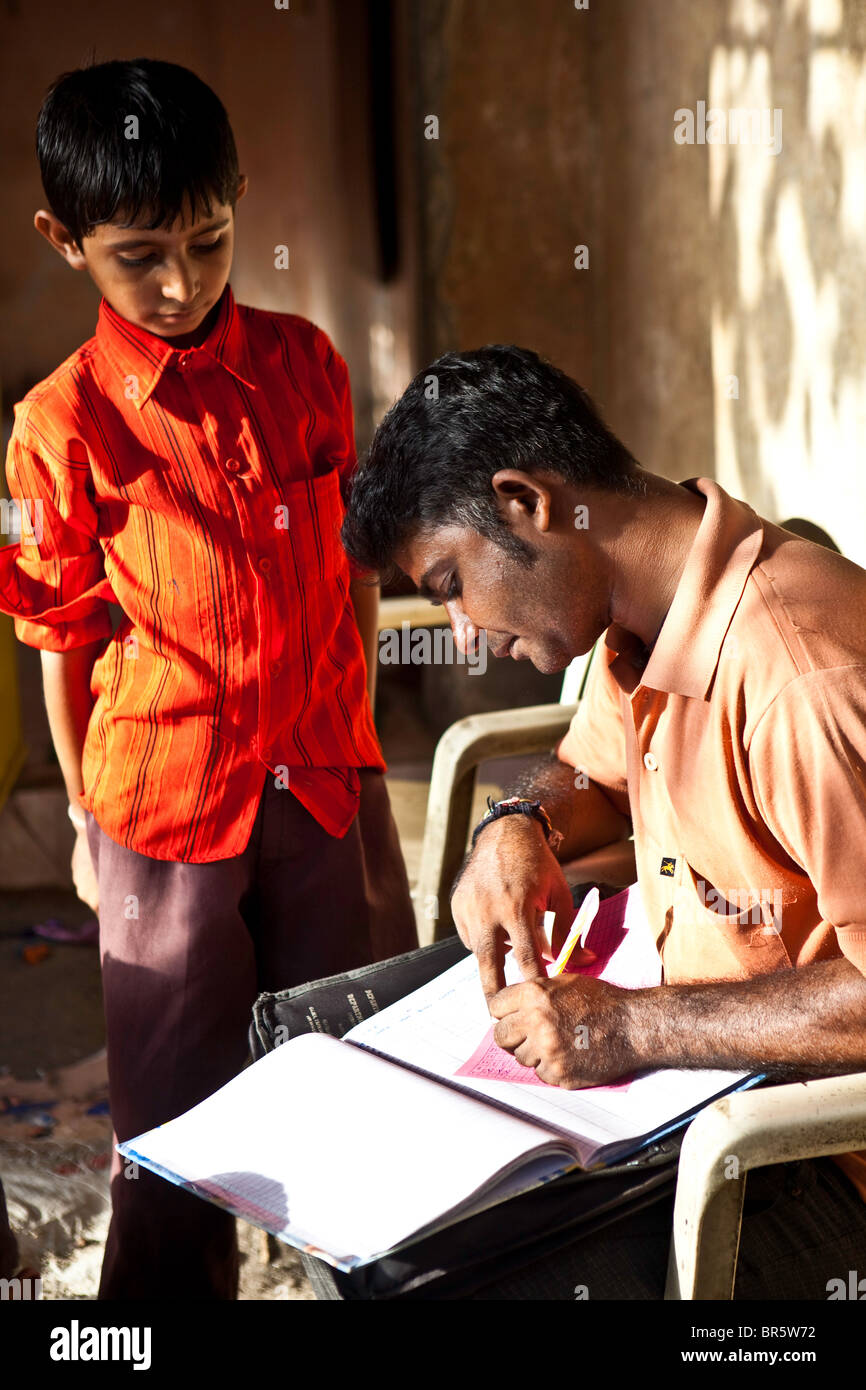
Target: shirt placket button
650,762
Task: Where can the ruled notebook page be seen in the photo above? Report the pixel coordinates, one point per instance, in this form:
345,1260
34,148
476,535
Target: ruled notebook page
445,1025
329,1146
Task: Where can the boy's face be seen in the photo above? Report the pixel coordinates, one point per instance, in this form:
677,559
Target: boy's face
165,280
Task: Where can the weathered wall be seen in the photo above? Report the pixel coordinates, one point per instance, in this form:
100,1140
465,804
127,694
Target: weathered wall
292,83
720,322
706,262
789,244
556,131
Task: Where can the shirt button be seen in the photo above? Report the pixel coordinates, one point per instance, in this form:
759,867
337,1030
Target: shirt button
264,564
233,466
266,752
650,762
254,743
185,359
275,667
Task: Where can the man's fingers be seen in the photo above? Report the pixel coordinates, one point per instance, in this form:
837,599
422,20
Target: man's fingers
544,937
490,954
508,1001
527,946
463,932
509,1033
527,1055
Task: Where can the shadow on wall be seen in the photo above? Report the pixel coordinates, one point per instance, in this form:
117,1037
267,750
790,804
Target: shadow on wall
788,330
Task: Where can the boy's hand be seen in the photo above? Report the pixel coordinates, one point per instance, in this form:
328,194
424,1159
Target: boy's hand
83,873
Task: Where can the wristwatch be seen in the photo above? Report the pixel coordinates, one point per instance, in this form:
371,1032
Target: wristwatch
518,806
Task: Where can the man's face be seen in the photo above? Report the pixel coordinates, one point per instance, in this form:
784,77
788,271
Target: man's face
547,613
163,279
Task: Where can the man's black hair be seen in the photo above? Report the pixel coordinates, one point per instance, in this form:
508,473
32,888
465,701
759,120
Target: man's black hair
458,423
99,164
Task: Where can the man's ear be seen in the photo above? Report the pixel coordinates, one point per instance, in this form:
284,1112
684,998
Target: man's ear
243,185
522,497
59,236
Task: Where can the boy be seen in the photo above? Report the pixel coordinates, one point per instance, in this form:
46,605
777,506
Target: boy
188,463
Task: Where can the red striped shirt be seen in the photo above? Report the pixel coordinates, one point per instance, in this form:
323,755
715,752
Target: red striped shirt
201,489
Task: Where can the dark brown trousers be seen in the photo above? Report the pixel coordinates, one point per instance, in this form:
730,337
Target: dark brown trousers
185,949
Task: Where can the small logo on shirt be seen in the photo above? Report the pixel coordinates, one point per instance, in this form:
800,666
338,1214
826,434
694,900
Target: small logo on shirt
667,867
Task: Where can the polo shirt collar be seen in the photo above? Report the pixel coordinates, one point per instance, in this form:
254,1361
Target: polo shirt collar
135,352
685,654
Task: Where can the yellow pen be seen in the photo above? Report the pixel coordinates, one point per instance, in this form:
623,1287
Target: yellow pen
580,927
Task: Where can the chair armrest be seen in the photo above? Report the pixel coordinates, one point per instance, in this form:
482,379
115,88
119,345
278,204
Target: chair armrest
466,744
412,609
749,1129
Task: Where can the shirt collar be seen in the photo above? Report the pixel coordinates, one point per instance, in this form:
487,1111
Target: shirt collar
135,352
685,654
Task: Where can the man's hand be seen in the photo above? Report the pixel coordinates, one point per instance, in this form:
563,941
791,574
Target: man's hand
83,873
572,1029
577,1031
510,881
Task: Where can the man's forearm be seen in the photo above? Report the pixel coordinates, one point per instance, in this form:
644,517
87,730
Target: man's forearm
811,1020
578,808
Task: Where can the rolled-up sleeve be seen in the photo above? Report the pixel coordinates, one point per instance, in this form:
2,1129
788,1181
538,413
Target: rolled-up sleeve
808,768
53,581
595,742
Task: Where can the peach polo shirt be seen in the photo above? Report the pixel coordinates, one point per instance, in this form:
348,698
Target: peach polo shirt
738,747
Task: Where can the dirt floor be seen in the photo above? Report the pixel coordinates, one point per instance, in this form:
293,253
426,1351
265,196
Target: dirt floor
55,1130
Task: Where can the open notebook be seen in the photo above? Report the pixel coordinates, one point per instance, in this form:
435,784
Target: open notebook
349,1148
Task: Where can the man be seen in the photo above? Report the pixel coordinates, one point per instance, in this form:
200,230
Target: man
724,722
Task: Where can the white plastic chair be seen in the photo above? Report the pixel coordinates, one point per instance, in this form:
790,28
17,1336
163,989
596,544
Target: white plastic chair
747,1130
459,753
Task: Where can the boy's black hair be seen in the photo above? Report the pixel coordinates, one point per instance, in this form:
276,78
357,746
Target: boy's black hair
459,421
168,162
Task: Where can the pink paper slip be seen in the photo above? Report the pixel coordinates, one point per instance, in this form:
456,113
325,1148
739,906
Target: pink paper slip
491,1063
625,955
